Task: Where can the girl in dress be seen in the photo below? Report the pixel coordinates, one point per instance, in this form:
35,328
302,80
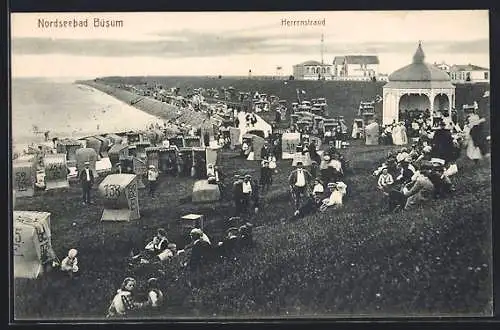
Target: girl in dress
338,189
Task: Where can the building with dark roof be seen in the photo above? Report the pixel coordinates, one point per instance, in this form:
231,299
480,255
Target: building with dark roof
356,67
312,70
417,86
469,73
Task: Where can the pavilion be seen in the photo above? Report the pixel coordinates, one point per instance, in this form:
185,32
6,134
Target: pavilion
418,86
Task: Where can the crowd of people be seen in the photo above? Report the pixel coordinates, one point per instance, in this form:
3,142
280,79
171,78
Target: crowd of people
413,176
406,178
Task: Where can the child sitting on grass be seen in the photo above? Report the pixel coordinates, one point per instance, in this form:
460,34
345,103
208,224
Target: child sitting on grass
70,263
155,295
123,302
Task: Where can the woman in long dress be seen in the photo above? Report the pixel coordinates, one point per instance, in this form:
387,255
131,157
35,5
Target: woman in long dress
473,151
402,130
396,135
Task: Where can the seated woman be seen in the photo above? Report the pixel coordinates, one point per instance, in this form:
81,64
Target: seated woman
158,244
419,191
338,191
441,182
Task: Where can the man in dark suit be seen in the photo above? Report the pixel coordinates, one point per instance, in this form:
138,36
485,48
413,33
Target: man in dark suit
299,180
265,152
86,177
237,194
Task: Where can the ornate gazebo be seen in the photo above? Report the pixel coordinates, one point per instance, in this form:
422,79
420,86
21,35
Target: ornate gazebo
418,86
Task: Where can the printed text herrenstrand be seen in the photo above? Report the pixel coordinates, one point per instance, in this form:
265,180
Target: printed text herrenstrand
307,22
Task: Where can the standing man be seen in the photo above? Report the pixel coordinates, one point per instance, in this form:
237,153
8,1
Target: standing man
237,194
266,151
152,180
298,181
87,181
442,143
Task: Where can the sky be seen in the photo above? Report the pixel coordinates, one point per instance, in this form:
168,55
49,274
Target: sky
231,43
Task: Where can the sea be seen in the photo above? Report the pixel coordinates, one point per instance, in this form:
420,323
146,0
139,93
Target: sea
67,109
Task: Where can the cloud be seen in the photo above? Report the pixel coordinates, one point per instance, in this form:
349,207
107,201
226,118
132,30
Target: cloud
188,43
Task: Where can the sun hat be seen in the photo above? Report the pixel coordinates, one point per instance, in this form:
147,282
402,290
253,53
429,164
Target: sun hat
152,281
196,232
437,161
72,253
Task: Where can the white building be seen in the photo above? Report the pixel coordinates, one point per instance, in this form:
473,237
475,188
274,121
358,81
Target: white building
417,86
312,70
469,74
443,66
355,67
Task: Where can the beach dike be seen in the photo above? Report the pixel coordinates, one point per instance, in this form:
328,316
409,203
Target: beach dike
153,107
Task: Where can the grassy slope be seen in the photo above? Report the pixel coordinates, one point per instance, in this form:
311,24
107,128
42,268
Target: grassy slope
351,261
343,96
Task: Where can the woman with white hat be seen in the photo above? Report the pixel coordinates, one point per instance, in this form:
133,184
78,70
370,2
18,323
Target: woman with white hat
338,191
422,189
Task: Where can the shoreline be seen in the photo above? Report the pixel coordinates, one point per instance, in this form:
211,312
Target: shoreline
151,106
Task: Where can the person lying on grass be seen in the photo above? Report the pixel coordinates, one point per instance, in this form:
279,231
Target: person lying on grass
310,205
123,302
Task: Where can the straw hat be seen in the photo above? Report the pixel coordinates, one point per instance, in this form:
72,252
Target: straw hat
437,161
86,163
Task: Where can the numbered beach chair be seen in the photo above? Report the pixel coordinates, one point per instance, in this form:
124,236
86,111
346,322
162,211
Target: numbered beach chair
56,171
120,197
23,178
32,247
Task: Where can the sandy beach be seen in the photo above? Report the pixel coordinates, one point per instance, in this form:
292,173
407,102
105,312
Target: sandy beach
152,106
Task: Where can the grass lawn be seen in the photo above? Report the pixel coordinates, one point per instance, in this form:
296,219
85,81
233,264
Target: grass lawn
349,262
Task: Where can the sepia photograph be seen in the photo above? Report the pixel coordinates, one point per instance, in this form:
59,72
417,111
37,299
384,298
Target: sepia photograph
250,165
